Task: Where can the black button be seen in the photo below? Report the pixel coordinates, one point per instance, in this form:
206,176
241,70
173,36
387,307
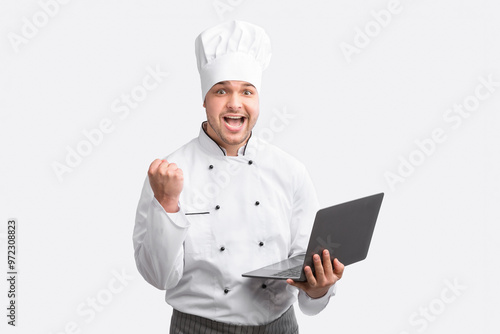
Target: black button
264,286
222,248
226,290
217,207
257,203
261,244
211,167
250,162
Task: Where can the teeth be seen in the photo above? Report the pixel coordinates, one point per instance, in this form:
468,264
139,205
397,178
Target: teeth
234,121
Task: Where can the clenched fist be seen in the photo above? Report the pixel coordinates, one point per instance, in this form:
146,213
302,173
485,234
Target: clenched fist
166,180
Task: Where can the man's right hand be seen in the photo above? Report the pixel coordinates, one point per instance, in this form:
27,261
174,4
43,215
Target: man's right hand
166,180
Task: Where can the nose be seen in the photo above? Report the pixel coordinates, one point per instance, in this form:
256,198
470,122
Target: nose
234,102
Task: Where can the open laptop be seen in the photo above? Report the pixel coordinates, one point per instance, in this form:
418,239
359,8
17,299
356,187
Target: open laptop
345,230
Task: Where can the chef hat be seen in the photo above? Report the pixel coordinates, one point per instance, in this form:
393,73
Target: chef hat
233,50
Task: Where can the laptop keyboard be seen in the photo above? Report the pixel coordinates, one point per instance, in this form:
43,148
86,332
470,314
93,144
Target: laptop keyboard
291,272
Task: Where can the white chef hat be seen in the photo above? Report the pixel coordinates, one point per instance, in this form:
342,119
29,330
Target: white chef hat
233,50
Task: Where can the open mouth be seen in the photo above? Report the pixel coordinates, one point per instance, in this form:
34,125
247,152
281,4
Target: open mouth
234,122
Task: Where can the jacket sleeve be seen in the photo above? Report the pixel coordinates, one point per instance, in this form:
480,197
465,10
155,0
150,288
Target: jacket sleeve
304,211
158,241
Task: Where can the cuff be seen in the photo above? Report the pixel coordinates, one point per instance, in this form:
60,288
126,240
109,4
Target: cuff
312,306
177,218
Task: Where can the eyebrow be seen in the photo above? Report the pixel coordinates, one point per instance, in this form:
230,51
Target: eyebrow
246,84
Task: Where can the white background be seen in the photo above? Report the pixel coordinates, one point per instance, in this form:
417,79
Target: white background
352,123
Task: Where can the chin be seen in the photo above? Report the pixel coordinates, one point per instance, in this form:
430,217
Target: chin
231,140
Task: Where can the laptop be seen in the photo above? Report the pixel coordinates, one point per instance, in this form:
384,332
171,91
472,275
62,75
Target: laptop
345,230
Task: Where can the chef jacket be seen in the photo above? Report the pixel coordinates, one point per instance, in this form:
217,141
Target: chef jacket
237,213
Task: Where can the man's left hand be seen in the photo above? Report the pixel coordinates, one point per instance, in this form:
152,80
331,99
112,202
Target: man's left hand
326,276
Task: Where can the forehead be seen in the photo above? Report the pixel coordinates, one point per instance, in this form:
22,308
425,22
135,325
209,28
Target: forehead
234,83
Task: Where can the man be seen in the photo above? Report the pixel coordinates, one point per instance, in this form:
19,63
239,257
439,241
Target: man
226,203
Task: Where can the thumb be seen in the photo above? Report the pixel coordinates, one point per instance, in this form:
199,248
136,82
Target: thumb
338,268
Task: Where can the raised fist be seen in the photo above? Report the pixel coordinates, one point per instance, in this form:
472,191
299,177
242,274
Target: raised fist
166,180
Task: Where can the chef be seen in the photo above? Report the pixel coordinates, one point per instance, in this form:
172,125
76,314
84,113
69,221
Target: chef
226,203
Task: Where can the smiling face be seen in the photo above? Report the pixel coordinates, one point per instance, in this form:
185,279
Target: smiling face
232,109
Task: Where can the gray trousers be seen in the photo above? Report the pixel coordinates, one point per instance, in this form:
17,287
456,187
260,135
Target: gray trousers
183,323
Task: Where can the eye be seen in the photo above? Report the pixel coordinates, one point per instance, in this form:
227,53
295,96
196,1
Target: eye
247,92
220,91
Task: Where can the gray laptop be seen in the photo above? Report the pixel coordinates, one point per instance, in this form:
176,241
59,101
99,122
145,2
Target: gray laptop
345,230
